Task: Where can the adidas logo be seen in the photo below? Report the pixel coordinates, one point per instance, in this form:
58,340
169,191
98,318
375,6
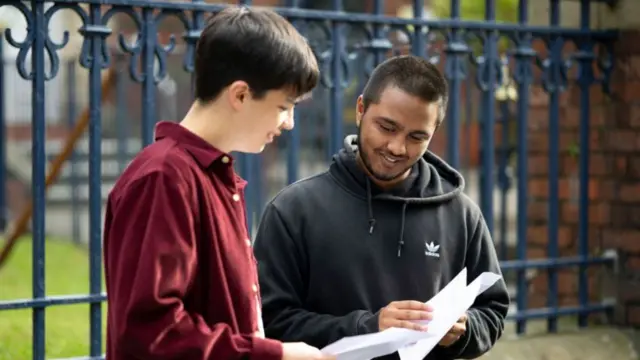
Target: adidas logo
431,249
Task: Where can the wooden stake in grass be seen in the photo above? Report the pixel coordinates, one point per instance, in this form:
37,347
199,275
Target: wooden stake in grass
20,225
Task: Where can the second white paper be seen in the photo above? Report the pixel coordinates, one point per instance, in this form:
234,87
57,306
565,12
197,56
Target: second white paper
449,313
449,304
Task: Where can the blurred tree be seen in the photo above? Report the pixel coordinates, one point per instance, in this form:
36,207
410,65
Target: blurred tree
506,10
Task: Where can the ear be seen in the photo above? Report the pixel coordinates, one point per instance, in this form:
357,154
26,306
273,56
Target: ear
238,93
359,110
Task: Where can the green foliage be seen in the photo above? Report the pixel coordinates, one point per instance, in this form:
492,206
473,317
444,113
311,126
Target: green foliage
67,326
506,10
473,10
573,149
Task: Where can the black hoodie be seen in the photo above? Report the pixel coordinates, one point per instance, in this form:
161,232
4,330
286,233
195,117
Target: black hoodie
333,249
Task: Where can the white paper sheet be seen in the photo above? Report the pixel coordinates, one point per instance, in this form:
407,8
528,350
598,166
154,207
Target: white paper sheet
449,304
447,318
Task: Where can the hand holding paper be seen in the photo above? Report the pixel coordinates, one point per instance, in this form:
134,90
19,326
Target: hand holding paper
460,298
457,330
302,351
405,314
449,305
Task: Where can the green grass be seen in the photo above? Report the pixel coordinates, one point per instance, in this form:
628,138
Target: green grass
67,326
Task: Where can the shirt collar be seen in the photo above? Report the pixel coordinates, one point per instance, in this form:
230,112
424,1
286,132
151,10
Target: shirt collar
204,153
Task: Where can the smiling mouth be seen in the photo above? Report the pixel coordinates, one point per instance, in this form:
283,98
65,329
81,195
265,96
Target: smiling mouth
390,160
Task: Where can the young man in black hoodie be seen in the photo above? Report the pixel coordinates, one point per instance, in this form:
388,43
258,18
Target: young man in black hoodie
361,247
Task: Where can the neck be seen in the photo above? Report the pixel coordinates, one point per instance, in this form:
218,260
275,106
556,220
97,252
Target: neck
383,184
211,123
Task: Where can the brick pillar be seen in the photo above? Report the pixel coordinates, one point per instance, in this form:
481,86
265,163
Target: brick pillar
614,196
621,144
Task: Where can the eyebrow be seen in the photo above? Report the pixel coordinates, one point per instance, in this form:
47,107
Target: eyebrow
394,123
388,121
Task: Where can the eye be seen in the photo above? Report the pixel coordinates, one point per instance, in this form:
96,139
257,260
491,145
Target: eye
386,128
283,108
419,138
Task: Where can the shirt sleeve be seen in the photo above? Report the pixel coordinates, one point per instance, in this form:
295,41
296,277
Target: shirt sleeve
154,262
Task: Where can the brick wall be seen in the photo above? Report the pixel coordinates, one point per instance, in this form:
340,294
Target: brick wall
614,196
620,144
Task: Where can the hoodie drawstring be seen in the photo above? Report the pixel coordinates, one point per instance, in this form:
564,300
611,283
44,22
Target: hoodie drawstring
372,220
401,240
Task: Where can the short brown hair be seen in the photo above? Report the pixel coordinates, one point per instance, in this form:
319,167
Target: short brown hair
411,74
255,45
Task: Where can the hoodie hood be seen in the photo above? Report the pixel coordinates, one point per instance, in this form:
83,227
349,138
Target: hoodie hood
432,181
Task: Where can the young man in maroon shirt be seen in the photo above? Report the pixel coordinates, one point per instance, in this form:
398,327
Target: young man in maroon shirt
180,272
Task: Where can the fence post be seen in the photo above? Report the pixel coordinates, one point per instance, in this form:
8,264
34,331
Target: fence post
488,74
73,164
524,77
336,104
39,160
455,71
3,146
95,34
585,80
554,88
122,124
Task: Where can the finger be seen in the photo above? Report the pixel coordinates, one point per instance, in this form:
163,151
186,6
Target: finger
458,329
463,318
449,339
452,337
327,357
411,305
407,325
410,315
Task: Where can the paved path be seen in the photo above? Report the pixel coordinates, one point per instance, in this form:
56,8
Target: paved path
593,343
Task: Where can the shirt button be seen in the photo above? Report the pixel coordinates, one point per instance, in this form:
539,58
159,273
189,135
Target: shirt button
225,159
236,197
248,242
255,288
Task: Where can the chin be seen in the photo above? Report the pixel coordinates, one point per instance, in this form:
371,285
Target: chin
257,149
387,176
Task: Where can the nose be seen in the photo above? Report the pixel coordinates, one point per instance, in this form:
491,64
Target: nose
288,122
397,146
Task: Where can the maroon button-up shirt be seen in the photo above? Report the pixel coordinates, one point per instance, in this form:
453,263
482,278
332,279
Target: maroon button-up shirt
180,273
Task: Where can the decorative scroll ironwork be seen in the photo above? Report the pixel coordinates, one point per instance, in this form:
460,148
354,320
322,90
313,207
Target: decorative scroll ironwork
456,36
